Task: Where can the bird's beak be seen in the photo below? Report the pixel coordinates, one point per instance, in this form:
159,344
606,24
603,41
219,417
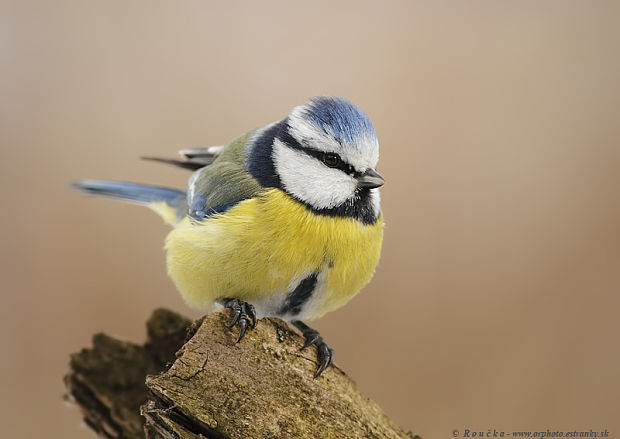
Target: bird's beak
370,179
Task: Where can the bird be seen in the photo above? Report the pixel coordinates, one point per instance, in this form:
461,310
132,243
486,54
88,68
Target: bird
284,221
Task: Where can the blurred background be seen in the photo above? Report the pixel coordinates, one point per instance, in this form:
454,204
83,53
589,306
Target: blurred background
495,304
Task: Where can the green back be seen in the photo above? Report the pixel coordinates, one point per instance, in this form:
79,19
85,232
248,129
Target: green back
226,181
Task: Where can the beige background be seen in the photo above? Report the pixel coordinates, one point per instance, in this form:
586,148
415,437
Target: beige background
496,301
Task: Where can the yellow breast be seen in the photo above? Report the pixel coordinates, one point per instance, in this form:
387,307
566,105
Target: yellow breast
259,249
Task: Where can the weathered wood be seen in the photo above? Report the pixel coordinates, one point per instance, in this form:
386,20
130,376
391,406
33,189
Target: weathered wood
107,381
262,387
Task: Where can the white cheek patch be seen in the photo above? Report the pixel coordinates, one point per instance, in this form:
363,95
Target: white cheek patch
310,180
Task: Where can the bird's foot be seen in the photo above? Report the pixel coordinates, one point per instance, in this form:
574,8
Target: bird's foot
325,354
244,315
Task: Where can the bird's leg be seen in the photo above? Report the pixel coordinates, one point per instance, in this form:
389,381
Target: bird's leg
324,353
243,314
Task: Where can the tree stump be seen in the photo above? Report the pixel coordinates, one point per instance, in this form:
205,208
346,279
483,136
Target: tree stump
212,387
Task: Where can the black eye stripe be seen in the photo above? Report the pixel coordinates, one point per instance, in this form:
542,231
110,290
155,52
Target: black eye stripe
342,165
291,142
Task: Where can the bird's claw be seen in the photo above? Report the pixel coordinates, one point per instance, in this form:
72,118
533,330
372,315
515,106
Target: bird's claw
311,339
325,354
244,315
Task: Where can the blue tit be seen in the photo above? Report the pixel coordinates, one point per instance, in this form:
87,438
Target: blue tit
284,221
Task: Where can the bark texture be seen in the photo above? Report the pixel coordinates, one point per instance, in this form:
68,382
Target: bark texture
262,387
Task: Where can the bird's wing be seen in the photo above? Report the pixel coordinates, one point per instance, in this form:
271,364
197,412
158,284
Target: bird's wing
193,158
224,183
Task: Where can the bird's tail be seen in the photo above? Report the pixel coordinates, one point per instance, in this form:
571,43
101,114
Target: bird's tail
170,204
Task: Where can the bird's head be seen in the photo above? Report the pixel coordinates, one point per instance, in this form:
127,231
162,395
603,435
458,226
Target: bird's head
324,154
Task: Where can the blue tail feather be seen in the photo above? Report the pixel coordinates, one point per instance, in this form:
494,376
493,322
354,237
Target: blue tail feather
137,193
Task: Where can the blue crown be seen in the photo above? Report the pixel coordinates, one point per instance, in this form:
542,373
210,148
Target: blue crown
340,118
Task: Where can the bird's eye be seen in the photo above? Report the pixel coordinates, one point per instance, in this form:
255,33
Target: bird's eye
332,160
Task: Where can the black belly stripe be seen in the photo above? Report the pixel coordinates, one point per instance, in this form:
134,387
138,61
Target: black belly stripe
299,296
